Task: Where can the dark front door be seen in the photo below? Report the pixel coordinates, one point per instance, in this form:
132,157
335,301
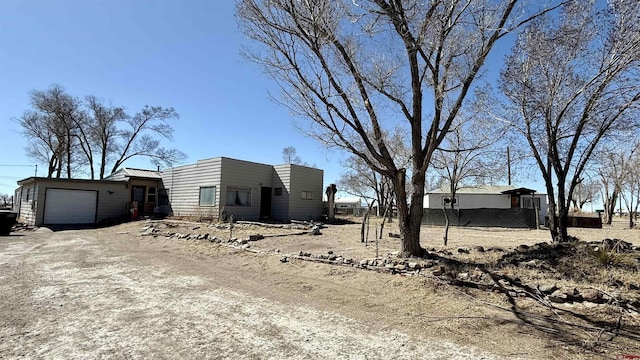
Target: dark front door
515,201
137,195
265,203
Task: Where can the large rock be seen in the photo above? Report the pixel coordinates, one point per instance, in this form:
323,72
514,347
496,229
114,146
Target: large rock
558,296
547,288
400,267
428,264
592,295
438,271
463,250
463,276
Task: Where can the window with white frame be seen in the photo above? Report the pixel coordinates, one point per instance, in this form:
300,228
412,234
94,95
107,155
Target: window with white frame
207,196
306,195
238,197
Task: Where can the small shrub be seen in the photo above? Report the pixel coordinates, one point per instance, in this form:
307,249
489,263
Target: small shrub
611,258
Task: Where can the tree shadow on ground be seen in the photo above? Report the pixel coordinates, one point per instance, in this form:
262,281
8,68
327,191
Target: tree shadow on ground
599,329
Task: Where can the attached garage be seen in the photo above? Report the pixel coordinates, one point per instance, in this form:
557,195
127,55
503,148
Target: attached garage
51,201
70,206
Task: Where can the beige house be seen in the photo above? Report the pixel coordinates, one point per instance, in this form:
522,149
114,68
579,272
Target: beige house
221,187
145,189
213,189
70,201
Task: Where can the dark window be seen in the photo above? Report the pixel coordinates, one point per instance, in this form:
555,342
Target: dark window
163,197
277,192
446,200
238,197
151,195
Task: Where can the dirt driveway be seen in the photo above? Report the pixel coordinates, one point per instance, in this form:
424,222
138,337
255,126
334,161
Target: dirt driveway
112,293
95,294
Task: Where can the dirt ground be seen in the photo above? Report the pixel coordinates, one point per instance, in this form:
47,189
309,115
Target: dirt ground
129,291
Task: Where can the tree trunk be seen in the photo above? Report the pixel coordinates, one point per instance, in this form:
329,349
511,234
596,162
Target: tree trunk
609,207
446,225
52,167
363,235
331,196
409,216
563,221
553,219
68,154
384,217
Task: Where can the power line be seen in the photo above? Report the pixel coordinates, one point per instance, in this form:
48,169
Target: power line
14,165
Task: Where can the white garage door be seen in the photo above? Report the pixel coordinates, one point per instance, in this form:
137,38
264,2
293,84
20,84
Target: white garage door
62,206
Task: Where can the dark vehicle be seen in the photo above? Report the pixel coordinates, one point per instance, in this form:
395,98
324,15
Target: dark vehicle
7,219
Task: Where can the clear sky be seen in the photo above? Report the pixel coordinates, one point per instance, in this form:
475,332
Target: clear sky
181,54
131,53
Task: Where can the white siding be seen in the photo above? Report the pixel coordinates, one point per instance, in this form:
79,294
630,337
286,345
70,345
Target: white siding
247,176
476,201
183,184
470,201
305,179
280,204
112,197
183,188
27,212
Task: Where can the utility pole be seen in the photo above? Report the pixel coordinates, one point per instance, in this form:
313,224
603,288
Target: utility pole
508,166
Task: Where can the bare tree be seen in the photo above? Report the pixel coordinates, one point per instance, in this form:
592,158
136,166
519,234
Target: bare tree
52,128
355,68
573,80
630,191
6,201
469,156
137,137
289,155
65,132
360,180
585,193
102,134
612,163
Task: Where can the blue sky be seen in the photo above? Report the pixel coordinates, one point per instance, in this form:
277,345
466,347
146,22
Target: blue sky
131,53
183,54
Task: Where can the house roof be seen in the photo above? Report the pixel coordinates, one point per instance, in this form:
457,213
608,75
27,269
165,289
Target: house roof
347,200
485,189
33,179
520,191
138,173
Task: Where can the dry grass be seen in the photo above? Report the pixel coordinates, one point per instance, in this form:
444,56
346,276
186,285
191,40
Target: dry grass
568,266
